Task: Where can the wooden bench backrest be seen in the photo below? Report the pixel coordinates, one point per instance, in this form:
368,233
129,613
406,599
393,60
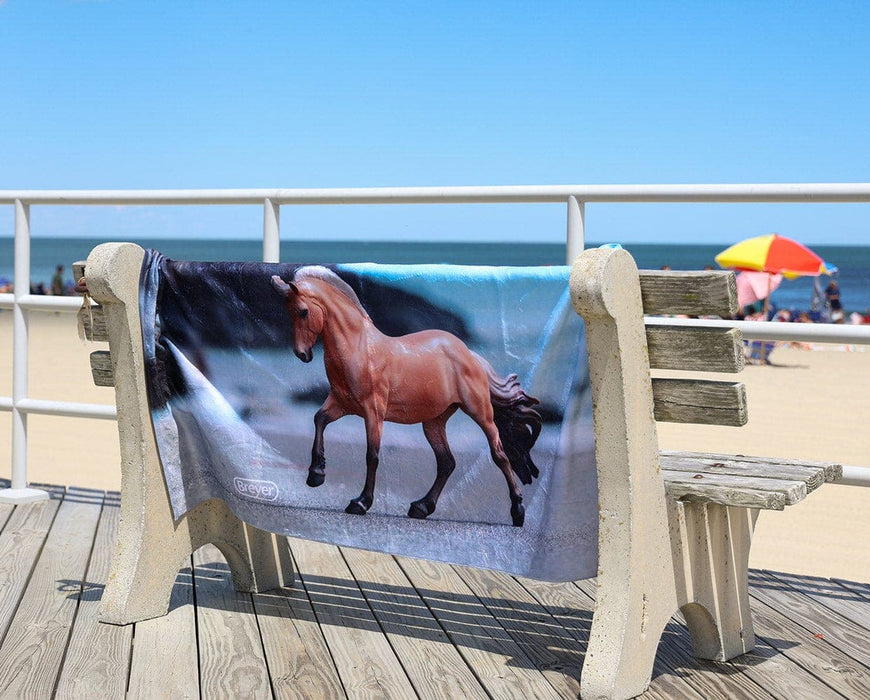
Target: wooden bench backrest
707,293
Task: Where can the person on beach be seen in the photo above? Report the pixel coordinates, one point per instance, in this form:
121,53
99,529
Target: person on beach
835,307
757,351
57,286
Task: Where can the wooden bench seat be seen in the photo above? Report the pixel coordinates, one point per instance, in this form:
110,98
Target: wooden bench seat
674,529
736,480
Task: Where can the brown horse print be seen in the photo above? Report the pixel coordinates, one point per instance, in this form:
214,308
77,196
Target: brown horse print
423,377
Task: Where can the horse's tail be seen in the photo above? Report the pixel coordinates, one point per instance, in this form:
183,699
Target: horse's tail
518,423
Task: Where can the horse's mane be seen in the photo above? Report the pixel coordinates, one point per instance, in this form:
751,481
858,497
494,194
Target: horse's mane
326,275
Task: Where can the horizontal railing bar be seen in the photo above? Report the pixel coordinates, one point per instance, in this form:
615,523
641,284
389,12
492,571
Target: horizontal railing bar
855,476
41,302
796,192
772,330
61,408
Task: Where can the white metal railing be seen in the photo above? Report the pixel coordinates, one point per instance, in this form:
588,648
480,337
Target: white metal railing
574,196
769,330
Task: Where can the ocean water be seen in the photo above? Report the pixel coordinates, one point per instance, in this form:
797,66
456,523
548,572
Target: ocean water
47,253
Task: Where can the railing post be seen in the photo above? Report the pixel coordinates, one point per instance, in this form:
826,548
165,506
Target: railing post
19,493
576,229
271,231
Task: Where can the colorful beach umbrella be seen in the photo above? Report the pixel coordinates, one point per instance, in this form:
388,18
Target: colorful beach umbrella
774,254
753,286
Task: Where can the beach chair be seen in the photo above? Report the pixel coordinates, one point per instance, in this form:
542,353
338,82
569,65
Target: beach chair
758,351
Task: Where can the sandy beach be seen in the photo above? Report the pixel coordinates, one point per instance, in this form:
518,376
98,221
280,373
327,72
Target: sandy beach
807,405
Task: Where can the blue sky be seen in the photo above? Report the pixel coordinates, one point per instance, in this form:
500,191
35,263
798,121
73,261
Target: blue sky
111,94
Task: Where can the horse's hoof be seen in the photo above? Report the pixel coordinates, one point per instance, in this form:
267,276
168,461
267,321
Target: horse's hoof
356,507
420,510
315,478
518,514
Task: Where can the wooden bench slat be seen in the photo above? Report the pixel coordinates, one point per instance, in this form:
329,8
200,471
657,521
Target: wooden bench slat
78,269
695,349
728,487
714,493
812,474
699,401
93,323
101,368
832,471
697,293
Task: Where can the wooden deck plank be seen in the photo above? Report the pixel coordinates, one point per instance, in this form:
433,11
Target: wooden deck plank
859,589
366,663
566,603
572,608
98,655
33,651
829,594
824,661
231,658
780,675
551,648
497,632
709,678
167,643
299,660
434,666
497,660
20,544
839,631
5,511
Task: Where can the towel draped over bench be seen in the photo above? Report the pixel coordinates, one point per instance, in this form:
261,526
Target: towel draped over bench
233,408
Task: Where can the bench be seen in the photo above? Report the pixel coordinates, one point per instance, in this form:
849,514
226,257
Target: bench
675,528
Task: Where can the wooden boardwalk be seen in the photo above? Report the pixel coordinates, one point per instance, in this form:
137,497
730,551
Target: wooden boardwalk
358,624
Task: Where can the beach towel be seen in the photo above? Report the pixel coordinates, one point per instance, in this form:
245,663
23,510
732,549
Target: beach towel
434,411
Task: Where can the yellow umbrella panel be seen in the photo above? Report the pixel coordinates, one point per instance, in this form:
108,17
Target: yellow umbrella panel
774,254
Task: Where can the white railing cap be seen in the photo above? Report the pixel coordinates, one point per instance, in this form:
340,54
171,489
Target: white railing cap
763,192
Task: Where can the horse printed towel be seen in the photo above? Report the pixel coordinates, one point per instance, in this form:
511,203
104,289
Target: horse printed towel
436,411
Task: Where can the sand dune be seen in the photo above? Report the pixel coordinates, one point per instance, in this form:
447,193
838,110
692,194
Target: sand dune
807,405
